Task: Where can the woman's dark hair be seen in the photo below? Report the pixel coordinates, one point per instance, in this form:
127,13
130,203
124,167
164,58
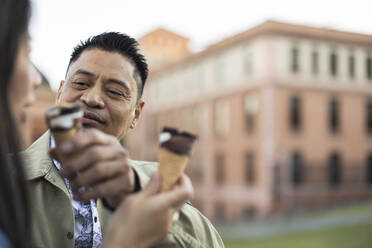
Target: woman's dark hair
14,18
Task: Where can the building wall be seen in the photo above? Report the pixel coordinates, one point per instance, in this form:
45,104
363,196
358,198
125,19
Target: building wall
316,143
206,77
282,59
154,44
208,96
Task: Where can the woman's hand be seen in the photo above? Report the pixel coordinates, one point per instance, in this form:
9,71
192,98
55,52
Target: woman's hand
145,218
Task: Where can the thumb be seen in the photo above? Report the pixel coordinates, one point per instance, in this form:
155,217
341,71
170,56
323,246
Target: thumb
153,186
178,196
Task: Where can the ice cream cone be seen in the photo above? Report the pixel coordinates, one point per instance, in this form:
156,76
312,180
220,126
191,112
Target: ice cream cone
174,153
171,167
64,121
61,136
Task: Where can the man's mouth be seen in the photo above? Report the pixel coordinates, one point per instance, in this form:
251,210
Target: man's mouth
91,119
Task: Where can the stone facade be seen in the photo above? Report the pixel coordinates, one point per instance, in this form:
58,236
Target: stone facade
284,118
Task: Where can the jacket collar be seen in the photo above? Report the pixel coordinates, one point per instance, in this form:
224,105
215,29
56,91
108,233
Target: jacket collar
37,162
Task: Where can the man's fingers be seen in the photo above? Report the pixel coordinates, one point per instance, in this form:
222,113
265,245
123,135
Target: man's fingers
105,189
84,139
179,195
97,173
89,158
153,186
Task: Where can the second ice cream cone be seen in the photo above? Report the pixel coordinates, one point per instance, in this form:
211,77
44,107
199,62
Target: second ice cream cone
174,153
171,167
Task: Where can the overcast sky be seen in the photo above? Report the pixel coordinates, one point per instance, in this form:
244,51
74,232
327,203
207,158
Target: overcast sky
57,26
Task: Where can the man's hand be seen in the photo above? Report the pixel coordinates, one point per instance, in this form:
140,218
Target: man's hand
145,218
97,167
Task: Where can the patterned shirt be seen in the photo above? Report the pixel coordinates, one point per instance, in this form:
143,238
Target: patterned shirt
87,225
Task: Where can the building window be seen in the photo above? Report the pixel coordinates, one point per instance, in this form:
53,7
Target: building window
222,118
351,66
220,70
295,60
334,170
220,169
196,117
154,131
247,63
334,116
297,169
333,63
315,62
197,169
250,112
369,67
369,117
199,77
198,204
369,169
249,169
188,120
249,212
295,113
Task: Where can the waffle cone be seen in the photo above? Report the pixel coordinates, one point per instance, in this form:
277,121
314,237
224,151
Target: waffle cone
61,136
171,167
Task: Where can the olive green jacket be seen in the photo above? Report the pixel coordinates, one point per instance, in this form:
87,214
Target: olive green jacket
52,219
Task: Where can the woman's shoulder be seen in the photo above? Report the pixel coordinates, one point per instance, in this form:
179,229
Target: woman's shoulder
4,242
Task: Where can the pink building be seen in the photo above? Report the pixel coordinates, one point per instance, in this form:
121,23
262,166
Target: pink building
284,118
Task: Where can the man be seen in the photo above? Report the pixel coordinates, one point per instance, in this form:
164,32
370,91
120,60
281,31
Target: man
107,74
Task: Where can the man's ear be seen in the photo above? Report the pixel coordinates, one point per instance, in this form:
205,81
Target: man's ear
59,92
137,113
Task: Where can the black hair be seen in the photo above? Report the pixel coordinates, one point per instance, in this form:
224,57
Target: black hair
122,44
14,222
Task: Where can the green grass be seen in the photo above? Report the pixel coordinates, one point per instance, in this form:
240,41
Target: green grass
346,211
359,209
349,236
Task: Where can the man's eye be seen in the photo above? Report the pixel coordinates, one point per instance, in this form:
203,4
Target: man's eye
114,92
80,84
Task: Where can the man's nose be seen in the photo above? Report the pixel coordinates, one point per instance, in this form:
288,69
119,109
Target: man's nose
92,97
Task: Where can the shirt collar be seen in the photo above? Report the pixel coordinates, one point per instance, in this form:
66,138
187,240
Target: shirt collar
52,144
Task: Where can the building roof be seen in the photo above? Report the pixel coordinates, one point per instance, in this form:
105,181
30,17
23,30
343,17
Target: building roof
277,28
162,31
296,30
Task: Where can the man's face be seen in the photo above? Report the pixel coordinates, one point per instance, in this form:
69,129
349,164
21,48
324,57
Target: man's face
104,82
